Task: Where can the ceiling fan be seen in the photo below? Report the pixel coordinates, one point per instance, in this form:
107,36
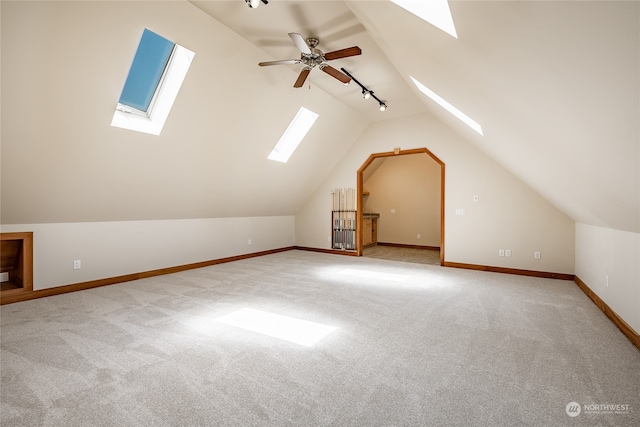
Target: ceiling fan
311,57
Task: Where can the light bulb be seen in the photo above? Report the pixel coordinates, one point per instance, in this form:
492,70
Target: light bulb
253,3
383,107
366,94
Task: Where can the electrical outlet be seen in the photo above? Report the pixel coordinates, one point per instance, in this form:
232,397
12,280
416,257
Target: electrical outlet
536,255
4,276
460,211
606,281
77,264
249,242
507,252
501,252
418,236
393,211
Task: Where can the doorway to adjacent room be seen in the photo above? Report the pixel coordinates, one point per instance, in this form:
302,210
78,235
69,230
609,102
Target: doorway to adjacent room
401,200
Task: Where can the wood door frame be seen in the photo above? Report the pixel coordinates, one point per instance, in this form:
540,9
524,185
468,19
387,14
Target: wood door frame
359,193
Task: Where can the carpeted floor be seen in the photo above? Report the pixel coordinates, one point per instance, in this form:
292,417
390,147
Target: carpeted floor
393,253
415,344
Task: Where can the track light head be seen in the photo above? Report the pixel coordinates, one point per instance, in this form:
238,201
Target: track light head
366,93
252,3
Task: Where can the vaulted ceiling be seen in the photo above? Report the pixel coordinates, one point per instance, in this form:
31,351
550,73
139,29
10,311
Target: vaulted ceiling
554,85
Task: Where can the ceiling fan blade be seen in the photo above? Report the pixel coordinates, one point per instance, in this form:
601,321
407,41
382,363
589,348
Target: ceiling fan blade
283,62
300,42
336,74
343,53
302,77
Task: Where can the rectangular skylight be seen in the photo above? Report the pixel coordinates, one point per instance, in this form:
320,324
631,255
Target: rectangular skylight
435,12
294,134
148,67
450,108
155,77
285,328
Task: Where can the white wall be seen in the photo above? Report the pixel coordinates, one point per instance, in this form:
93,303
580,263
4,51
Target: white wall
602,252
63,67
508,215
125,202
110,249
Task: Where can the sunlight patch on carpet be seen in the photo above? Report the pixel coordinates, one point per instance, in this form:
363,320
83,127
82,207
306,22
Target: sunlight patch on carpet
368,274
285,328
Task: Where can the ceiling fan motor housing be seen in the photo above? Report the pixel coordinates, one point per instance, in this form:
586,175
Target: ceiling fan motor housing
312,57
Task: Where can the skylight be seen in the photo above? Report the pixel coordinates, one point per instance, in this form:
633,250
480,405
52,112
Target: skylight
286,328
435,12
450,108
156,74
146,71
294,134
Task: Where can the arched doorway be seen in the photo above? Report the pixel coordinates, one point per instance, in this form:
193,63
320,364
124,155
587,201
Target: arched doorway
360,192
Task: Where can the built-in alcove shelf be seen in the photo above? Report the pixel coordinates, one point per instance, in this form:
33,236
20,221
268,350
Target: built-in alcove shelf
16,262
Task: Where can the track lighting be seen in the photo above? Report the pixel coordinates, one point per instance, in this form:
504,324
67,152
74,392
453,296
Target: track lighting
366,93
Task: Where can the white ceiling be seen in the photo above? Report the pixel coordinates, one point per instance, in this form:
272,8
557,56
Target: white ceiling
555,85
336,27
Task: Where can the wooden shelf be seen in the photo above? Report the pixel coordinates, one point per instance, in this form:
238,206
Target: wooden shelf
16,262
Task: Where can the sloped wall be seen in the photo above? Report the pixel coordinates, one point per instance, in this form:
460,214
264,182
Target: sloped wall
63,67
508,215
125,202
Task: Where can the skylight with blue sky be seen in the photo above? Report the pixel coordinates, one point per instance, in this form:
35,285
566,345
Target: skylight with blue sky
158,69
148,67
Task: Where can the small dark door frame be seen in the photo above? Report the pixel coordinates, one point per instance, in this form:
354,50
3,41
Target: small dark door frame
397,152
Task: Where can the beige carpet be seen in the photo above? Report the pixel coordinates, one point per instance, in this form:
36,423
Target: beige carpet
393,253
415,344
